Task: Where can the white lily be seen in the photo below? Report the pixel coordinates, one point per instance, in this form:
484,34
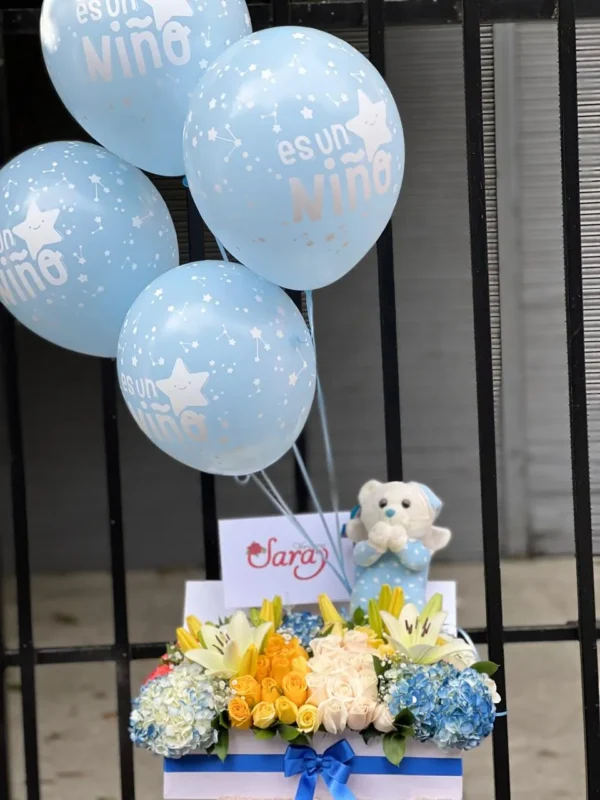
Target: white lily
230,647
415,636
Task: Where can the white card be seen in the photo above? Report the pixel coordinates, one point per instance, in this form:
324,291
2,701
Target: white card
265,556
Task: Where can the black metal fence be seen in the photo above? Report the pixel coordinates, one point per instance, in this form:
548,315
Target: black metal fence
18,16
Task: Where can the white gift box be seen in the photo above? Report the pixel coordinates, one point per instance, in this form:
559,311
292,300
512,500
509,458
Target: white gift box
253,770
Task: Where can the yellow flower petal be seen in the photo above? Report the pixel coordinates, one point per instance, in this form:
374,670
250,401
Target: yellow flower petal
385,598
185,640
249,662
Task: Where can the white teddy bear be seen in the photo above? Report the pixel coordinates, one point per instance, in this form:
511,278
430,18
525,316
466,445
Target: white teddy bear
395,538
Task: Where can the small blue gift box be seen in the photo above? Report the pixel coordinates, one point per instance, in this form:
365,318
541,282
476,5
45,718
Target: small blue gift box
256,770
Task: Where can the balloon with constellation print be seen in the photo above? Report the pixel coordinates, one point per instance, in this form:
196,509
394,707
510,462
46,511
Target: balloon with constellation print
217,367
125,69
81,234
293,145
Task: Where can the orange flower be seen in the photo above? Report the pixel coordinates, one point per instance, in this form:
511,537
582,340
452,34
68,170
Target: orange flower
247,688
270,692
263,668
280,666
239,713
274,644
294,688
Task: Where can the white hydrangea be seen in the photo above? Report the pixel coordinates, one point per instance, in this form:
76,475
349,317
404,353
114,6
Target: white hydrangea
173,714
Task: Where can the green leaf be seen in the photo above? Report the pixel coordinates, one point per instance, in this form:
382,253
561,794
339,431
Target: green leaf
378,666
394,747
288,733
302,740
264,733
405,718
485,668
358,618
405,731
222,745
370,733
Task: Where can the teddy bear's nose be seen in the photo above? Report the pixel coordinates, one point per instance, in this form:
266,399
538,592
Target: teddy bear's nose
389,512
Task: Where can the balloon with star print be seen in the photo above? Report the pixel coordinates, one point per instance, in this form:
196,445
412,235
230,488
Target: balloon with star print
294,145
125,69
217,367
81,234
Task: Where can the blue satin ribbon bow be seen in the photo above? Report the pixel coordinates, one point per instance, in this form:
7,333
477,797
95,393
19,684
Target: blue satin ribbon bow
334,766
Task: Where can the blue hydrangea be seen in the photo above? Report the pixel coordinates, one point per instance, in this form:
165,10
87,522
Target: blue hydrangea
415,687
173,714
466,712
451,707
303,625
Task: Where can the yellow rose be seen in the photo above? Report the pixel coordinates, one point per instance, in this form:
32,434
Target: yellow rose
300,664
307,719
247,688
274,645
287,712
264,715
280,666
270,691
263,668
239,713
295,688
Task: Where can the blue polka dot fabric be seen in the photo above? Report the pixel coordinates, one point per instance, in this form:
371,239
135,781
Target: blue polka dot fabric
408,569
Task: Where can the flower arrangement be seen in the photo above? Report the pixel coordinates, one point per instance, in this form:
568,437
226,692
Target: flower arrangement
389,673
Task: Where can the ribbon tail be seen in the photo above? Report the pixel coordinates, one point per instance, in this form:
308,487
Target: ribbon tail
306,787
339,791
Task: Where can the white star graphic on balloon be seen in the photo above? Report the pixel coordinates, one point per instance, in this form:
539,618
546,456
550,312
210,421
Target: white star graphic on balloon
37,229
307,113
266,74
370,124
184,388
164,10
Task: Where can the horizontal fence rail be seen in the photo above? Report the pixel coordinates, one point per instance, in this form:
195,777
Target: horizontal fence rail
21,17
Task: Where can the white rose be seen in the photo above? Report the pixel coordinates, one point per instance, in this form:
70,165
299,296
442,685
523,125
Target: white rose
322,664
316,688
382,719
369,684
333,715
361,713
344,687
326,644
361,661
356,641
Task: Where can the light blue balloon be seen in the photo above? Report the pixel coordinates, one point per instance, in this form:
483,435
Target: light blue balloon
81,234
294,153
125,68
217,367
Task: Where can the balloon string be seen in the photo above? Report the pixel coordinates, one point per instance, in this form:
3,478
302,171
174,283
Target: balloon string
222,250
334,542
270,491
329,459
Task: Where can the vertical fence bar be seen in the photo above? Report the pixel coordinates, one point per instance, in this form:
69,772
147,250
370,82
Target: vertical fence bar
387,285
122,650
9,367
21,548
210,520
580,463
4,154
484,374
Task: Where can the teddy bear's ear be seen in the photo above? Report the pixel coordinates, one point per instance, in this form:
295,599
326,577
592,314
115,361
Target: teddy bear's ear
366,490
436,538
433,500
